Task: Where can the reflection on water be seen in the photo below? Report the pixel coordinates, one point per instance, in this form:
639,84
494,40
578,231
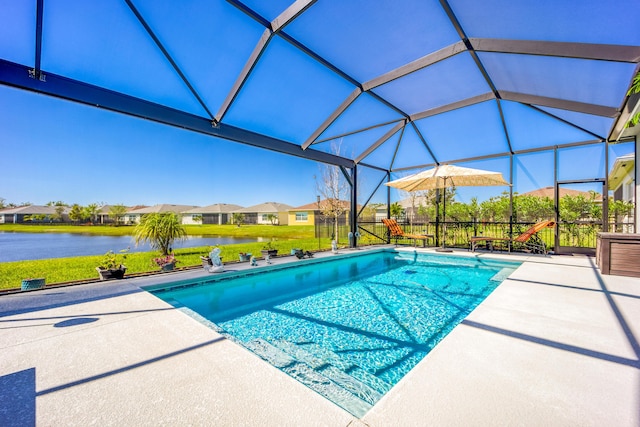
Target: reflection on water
29,246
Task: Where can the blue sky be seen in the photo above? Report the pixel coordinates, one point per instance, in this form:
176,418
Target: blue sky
58,150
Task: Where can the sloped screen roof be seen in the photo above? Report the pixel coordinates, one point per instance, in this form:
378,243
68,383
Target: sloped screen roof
401,84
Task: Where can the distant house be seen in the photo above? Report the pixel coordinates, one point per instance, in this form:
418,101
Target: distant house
410,206
303,215
307,214
133,216
219,213
622,178
34,214
261,214
622,182
105,218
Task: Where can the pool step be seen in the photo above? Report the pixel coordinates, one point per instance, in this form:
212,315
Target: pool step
339,371
351,384
501,275
337,386
307,353
271,354
300,354
371,380
328,355
328,388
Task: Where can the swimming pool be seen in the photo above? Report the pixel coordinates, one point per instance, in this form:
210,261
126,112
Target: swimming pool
347,327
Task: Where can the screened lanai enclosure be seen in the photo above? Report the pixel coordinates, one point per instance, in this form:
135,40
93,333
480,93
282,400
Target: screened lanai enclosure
536,90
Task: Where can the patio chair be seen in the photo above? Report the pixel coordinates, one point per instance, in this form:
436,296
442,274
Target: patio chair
396,232
529,239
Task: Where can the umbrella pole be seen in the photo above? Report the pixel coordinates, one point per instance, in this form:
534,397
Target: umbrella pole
444,219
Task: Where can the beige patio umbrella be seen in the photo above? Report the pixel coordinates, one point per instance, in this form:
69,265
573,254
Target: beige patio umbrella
445,176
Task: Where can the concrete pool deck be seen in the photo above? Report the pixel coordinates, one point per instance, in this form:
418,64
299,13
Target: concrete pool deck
555,344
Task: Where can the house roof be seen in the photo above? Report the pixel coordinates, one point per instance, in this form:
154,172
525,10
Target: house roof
548,192
136,207
215,208
162,208
314,206
33,210
406,203
623,166
106,208
266,207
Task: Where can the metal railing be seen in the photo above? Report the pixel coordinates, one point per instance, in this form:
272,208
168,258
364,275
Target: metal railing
572,234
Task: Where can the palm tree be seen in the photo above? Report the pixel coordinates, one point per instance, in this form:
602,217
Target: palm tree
91,211
396,210
635,88
272,218
117,213
160,230
238,218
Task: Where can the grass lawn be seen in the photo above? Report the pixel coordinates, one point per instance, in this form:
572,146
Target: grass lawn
59,270
264,231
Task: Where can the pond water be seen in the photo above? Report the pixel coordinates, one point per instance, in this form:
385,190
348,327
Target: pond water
30,246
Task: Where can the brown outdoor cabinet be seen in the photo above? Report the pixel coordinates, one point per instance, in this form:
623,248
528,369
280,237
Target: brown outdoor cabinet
618,254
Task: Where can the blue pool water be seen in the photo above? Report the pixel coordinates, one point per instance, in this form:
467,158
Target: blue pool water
348,328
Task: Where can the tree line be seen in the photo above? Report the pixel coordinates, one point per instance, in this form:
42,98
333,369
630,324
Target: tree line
526,208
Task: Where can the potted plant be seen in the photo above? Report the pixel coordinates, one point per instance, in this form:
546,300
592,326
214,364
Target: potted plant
166,263
112,265
269,249
245,256
31,284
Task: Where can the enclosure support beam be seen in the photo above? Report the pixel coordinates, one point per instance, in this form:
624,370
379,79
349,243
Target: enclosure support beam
258,50
416,65
332,118
296,9
395,152
605,190
38,53
424,142
168,57
353,213
556,200
380,141
453,106
377,187
511,196
271,28
602,52
568,123
356,131
18,76
388,205
563,104
504,128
